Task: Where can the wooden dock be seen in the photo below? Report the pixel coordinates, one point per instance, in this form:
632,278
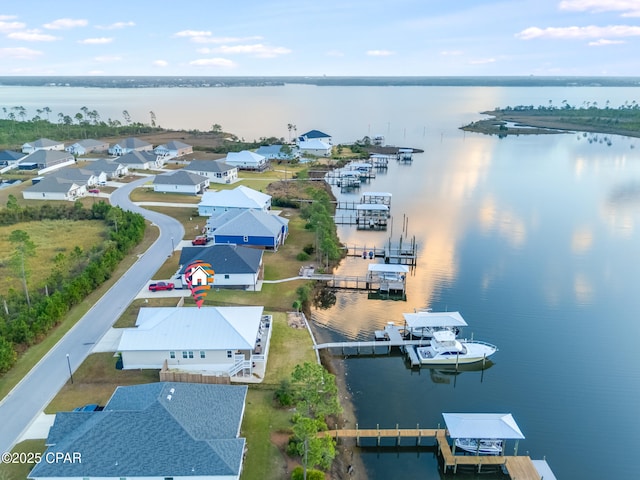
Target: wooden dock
517,467
369,283
393,338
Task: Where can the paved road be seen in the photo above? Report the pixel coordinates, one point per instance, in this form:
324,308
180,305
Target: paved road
35,391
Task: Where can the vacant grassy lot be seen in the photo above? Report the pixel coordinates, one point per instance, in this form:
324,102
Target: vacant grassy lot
146,194
188,216
50,238
128,318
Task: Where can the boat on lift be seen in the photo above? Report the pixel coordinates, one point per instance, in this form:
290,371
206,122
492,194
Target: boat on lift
446,349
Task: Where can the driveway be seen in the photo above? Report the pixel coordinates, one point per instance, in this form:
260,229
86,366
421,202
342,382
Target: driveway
27,400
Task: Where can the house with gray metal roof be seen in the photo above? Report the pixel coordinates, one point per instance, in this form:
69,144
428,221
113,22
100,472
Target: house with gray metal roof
240,198
234,266
180,181
152,431
42,144
55,188
216,170
173,149
246,160
88,145
131,144
249,228
217,340
278,152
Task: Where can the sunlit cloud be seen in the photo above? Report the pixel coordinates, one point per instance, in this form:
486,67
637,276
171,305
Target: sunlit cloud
66,23
258,50
7,26
192,33
604,42
482,61
116,26
380,53
222,40
451,53
160,63
577,33
107,58
213,62
32,36
19,52
96,41
629,8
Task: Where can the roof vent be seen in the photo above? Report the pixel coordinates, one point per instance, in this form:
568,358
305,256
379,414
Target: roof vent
168,397
172,390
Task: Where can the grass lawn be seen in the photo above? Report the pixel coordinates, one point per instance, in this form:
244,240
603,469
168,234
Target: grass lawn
50,238
146,194
128,318
19,471
187,216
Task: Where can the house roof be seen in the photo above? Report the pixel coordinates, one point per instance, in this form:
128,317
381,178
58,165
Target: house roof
245,156
90,143
137,158
315,134
43,143
80,175
239,197
103,165
10,155
256,223
153,430
314,145
174,145
499,426
132,142
53,184
192,328
224,259
179,177
209,166
47,157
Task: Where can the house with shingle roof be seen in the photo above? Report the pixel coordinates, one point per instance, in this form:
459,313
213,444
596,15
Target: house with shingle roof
180,181
217,171
151,431
315,135
234,266
81,176
112,169
88,145
249,228
9,157
240,198
46,160
319,148
131,144
42,144
277,152
55,188
173,149
246,160
136,160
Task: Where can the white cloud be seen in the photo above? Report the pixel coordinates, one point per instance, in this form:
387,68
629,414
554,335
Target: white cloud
604,42
380,53
192,33
19,52
66,23
573,33
160,63
482,61
213,62
220,40
107,58
451,53
258,49
96,41
32,36
10,26
629,8
116,26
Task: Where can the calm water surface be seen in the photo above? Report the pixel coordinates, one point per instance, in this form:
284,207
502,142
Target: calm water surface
535,240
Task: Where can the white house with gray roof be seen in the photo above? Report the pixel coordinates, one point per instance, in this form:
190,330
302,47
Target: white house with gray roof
112,169
55,188
180,181
139,160
240,198
131,144
153,431
215,340
249,228
42,144
315,147
88,145
278,152
173,149
246,160
81,176
217,171
46,160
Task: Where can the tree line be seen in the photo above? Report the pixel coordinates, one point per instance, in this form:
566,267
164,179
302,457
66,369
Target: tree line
27,316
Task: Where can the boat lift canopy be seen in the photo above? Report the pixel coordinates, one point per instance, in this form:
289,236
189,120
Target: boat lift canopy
387,268
434,319
482,425
372,206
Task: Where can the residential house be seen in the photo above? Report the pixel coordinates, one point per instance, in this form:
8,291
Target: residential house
42,144
246,160
278,152
89,145
173,149
240,198
211,340
136,160
315,135
154,431
55,188
131,144
112,169
46,160
9,157
81,176
234,266
250,228
217,171
318,148
180,181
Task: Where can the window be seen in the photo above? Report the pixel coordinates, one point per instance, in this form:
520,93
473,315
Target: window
218,175
190,354
202,354
226,276
229,354
184,354
172,354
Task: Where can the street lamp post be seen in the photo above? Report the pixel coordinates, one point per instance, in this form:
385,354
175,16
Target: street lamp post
69,365
173,247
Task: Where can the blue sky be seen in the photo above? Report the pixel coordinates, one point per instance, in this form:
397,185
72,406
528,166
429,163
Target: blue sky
323,37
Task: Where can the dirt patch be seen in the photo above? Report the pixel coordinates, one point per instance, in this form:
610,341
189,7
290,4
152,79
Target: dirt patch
281,440
295,320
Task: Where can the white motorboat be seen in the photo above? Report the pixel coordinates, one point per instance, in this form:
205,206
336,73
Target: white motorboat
446,349
422,324
480,446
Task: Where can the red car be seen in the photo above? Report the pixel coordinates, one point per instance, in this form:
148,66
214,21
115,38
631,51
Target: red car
200,240
94,190
157,287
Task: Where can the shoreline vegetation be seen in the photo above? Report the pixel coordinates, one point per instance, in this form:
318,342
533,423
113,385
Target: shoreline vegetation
529,120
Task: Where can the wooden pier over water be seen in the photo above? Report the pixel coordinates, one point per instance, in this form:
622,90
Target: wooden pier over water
517,467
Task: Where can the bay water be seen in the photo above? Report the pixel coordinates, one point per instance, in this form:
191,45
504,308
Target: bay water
534,239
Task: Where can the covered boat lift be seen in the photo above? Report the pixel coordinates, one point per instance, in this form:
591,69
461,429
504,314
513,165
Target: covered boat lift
372,216
498,426
418,322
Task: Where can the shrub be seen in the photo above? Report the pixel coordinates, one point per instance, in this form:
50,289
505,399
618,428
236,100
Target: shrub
302,257
284,394
309,249
298,474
